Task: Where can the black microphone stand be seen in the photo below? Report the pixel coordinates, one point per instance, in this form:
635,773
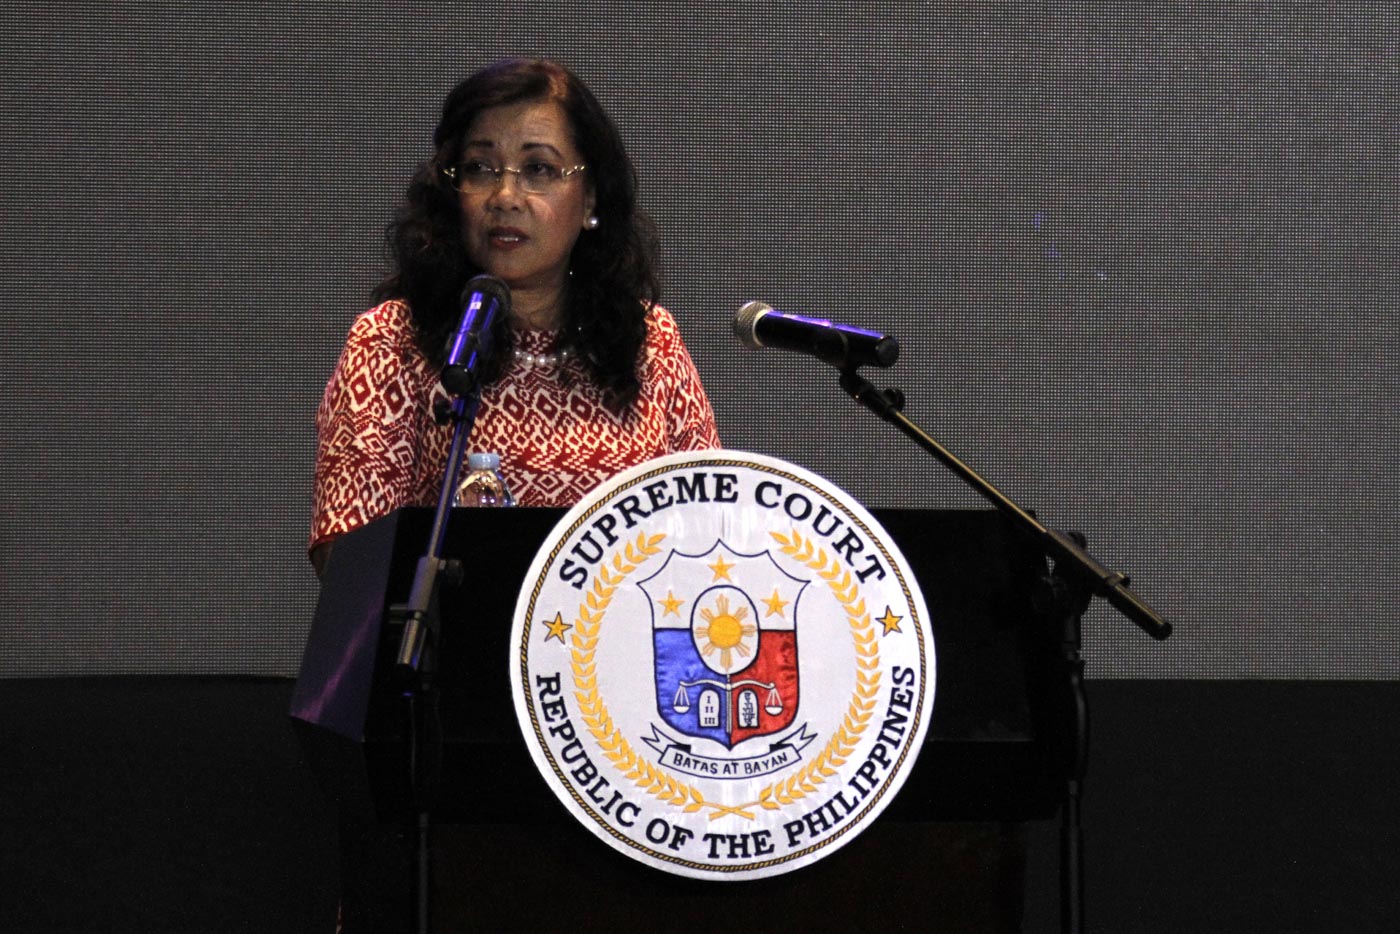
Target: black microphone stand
416,660
485,298
1076,579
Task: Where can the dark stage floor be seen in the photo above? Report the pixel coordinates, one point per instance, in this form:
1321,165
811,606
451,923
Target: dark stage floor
185,805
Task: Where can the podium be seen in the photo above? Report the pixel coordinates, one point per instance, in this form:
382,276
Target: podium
989,756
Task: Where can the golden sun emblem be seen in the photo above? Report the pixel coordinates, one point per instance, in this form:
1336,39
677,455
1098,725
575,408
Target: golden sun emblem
724,631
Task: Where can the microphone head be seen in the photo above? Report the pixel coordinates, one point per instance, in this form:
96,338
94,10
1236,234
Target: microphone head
489,286
746,322
485,304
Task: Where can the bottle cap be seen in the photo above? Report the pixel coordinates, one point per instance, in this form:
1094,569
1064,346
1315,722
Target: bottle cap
483,460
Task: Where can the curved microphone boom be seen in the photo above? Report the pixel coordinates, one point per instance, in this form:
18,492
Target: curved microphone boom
761,325
484,299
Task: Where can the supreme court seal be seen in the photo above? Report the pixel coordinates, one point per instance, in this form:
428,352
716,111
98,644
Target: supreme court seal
722,665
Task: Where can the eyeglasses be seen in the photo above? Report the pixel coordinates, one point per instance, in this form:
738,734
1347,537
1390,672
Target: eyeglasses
535,178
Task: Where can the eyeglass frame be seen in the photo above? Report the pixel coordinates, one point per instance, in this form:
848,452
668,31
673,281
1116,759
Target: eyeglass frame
450,172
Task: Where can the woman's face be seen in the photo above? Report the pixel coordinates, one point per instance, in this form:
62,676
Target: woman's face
521,237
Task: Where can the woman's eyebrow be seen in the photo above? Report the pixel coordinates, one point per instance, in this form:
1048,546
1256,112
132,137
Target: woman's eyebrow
490,144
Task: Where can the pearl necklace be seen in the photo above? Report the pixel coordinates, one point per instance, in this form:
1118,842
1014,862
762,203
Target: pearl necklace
543,359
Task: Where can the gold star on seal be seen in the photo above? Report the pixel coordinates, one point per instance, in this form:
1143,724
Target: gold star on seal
721,569
671,605
890,621
775,604
557,628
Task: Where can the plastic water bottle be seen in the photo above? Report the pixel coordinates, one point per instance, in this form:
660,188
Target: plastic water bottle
484,485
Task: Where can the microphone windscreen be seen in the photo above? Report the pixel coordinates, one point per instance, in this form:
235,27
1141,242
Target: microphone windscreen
488,285
746,322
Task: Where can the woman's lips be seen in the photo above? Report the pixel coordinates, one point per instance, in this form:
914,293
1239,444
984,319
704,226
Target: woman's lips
506,237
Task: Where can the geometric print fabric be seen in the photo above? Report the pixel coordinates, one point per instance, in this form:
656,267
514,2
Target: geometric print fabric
379,447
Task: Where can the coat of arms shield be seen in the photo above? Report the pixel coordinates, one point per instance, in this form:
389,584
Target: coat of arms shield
724,634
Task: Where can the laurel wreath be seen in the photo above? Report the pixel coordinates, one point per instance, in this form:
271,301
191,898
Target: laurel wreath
656,781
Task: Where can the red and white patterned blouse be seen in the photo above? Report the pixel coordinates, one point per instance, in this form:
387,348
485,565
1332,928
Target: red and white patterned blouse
380,449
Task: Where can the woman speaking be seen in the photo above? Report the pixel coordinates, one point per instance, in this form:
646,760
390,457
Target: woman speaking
529,182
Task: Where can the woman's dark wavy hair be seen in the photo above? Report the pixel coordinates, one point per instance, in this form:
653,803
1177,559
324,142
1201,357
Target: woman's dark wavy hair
614,280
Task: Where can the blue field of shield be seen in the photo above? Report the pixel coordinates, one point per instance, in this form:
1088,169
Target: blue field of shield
698,710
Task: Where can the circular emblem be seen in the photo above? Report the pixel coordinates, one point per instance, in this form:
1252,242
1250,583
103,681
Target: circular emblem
722,665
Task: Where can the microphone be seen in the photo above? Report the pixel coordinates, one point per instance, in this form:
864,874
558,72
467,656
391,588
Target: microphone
844,347
484,299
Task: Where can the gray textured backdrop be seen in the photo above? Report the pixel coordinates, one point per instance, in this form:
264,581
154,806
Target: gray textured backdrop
1142,265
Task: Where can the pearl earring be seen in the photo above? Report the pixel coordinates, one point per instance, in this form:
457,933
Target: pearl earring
592,223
